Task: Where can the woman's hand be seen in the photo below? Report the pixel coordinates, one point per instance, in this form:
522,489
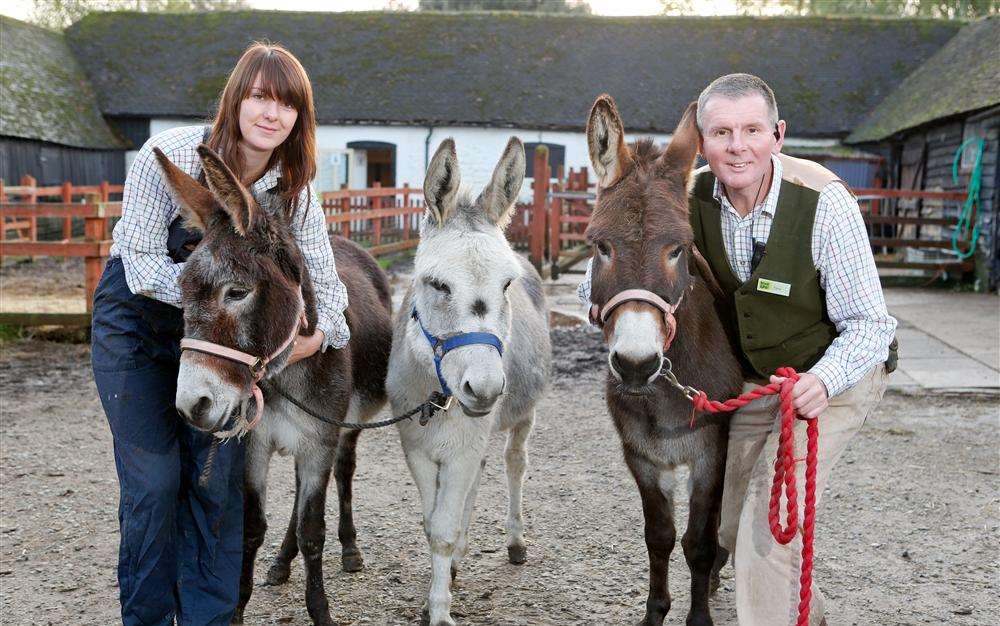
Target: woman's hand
304,347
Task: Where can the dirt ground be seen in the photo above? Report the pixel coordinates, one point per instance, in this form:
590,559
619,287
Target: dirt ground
45,285
908,532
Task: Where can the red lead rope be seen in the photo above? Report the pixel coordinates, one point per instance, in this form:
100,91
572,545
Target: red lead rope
784,475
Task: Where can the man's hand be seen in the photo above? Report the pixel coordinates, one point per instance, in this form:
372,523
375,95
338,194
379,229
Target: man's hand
304,347
809,396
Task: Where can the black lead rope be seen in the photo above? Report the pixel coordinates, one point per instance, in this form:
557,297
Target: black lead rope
427,410
436,402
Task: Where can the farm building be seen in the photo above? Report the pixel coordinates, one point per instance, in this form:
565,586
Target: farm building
51,126
951,102
390,86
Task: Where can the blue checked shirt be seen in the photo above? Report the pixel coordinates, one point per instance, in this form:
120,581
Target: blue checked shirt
847,273
140,236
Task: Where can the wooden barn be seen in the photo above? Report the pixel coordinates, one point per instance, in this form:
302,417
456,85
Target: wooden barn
51,126
390,86
950,103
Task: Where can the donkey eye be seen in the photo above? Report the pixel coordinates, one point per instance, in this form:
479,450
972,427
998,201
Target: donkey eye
237,293
603,248
507,285
676,252
442,287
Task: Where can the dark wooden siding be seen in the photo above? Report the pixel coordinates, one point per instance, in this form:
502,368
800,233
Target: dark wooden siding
134,130
923,159
53,164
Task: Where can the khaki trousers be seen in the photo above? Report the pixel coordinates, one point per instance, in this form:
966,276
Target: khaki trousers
767,574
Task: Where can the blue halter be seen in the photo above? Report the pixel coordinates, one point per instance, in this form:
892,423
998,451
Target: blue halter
442,346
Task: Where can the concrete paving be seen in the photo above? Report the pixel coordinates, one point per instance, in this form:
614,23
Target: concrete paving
949,341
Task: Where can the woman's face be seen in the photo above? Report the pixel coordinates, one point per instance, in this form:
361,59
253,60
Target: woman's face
264,122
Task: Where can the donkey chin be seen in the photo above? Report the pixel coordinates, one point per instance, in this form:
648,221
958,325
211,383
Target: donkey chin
205,401
635,341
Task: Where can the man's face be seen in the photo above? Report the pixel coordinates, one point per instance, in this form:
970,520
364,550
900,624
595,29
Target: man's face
738,139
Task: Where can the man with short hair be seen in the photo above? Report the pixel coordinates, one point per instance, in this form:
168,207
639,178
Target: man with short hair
785,240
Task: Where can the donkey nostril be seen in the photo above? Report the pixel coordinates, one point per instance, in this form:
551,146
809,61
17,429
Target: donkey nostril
467,388
646,368
200,407
635,371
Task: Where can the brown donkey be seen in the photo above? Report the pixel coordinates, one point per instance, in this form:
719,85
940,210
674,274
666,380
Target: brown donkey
245,287
653,295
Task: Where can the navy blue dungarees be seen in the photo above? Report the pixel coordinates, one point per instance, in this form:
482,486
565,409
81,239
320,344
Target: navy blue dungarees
181,544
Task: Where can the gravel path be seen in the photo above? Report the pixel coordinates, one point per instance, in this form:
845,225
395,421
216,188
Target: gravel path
908,533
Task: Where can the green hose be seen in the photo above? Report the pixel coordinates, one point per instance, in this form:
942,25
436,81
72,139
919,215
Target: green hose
965,217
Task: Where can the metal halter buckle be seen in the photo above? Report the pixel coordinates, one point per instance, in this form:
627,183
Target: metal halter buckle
447,404
666,371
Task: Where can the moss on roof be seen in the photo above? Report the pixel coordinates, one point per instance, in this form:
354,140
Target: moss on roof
524,70
963,76
46,95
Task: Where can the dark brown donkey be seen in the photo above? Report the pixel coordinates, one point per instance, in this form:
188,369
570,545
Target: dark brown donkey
655,295
246,287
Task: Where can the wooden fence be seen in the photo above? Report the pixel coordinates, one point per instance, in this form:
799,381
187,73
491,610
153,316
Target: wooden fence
907,229
384,220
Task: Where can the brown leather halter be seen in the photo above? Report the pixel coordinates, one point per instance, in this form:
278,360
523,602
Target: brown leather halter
256,364
599,315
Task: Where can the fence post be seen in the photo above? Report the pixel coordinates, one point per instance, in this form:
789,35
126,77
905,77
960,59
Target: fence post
29,181
406,216
555,213
540,186
345,208
67,197
377,221
95,229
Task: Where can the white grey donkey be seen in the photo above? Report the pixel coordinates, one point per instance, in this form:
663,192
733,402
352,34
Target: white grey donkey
478,306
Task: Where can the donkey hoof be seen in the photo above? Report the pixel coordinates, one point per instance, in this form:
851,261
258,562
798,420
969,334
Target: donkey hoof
425,616
277,574
714,583
454,572
701,619
517,555
352,562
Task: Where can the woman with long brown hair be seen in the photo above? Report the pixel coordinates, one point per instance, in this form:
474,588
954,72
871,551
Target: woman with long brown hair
179,557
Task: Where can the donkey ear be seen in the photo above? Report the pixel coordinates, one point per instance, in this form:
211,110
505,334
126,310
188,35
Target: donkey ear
196,202
441,183
606,141
228,190
499,196
679,156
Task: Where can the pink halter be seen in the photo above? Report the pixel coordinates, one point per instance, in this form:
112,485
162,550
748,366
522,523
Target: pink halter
599,315
256,364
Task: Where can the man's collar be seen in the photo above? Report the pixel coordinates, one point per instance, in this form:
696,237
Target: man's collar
770,204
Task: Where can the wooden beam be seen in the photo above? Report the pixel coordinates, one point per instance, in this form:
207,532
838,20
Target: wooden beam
45,319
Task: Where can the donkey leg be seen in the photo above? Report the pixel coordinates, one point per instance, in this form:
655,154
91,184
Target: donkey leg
351,559
424,472
314,476
455,480
656,490
462,545
516,460
282,566
258,459
701,539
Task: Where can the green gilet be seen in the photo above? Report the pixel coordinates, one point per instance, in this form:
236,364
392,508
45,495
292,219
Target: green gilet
769,329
